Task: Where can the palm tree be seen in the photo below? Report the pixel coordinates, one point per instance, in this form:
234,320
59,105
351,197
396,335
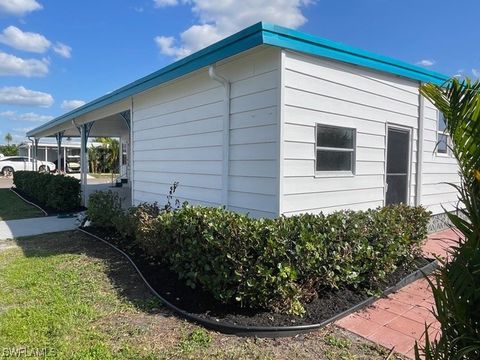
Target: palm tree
112,154
93,158
8,138
456,286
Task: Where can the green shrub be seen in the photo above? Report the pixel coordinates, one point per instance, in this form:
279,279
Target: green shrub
104,207
279,263
276,264
58,192
105,210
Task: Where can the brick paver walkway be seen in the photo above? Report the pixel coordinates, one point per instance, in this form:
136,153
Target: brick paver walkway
398,320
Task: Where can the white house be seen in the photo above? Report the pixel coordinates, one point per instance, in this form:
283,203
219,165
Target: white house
274,121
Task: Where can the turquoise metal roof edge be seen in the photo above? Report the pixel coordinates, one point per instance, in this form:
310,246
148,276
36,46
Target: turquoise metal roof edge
298,41
255,35
232,45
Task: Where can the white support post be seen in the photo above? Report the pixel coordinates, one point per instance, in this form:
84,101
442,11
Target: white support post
83,162
64,158
59,137
35,156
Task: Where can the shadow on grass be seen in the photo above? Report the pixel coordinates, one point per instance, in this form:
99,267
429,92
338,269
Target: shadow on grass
121,274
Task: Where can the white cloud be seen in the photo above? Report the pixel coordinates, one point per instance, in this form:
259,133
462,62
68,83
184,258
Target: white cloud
63,50
11,65
27,41
217,20
426,62
19,95
19,7
72,104
32,42
19,138
23,130
476,73
30,116
164,3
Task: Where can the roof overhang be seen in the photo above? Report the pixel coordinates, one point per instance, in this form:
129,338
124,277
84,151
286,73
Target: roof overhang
255,35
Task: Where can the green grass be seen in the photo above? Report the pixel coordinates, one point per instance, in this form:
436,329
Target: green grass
72,297
12,207
103,175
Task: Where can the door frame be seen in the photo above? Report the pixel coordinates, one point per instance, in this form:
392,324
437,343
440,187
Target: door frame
408,129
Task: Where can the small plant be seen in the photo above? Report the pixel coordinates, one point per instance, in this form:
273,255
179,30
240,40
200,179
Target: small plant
338,342
198,338
169,206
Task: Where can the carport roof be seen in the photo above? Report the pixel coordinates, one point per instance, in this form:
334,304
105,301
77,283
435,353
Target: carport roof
255,35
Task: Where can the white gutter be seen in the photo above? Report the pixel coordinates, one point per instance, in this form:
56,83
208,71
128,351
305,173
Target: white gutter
226,132
421,126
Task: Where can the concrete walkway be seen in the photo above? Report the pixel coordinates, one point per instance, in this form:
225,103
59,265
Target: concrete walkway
399,319
35,226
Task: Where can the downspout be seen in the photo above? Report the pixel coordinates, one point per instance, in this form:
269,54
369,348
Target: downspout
130,155
421,125
226,132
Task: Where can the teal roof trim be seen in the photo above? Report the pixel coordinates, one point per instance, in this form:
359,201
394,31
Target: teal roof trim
295,40
255,35
232,45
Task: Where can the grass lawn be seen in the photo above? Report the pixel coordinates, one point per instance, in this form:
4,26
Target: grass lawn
12,207
103,175
72,297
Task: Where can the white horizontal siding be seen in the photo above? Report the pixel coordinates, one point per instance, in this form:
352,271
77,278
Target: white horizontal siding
179,136
438,169
332,93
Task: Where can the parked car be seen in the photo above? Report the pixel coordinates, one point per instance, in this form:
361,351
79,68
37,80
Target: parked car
10,164
73,163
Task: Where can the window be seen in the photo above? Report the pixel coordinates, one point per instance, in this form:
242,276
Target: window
442,136
335,149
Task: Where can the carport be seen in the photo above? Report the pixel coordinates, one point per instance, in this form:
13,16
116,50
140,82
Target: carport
108,121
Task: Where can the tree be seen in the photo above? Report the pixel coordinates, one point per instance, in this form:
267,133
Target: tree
9,150
456,285
8,138
93,158
107,156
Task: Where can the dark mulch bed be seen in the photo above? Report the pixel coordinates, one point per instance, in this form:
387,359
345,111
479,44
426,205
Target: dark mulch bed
48,210
329,302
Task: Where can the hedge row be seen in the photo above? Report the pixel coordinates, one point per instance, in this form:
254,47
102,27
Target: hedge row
57,192
278,264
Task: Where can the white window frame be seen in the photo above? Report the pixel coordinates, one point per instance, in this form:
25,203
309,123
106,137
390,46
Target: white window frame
437,141
353,150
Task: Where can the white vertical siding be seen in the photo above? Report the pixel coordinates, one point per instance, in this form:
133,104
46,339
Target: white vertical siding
333,93
178,134
438,169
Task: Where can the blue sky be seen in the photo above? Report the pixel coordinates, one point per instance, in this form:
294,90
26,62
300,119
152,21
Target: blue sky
55,55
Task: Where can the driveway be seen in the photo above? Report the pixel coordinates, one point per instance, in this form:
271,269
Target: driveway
5,183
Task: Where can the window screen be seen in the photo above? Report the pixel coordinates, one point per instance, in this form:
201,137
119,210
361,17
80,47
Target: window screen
335,148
